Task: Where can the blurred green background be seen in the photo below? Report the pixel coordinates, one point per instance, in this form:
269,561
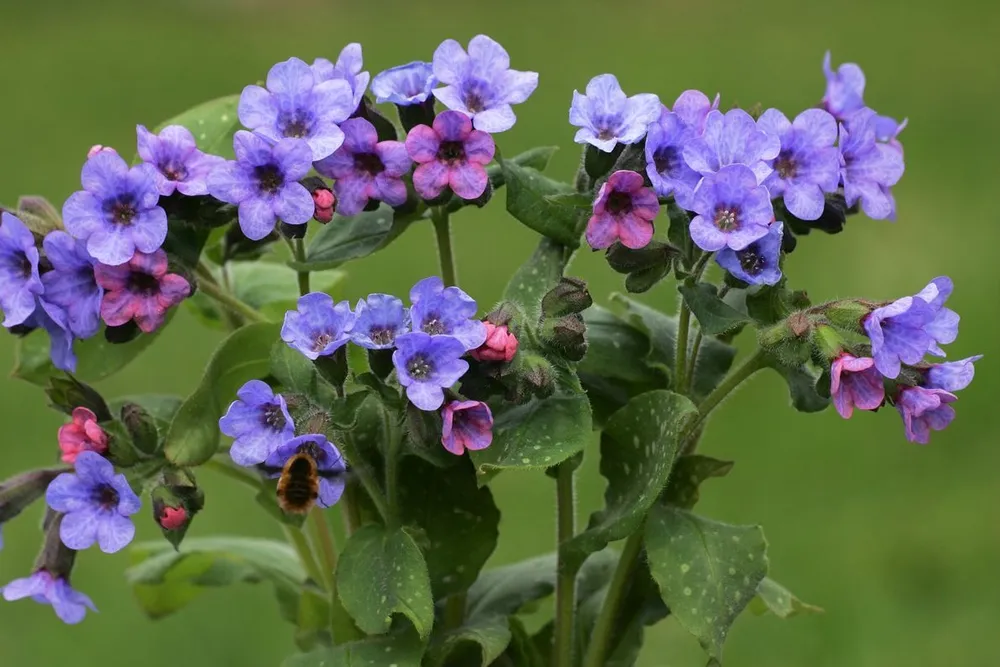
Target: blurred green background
898,542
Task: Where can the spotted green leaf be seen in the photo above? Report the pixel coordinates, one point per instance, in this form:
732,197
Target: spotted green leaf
527,200
382,572
688,474
402,649
477,642
775,598
714,315
707,571
536,276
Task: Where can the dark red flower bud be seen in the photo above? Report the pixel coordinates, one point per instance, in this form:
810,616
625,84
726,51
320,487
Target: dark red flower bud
172,518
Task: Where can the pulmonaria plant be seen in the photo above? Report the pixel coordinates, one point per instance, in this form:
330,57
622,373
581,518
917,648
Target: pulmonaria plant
392,416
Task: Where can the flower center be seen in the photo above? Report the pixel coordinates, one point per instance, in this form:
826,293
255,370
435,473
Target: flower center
24,266
451,152
752,259
122,210
433,325
272,417
418,367
143,283
619,202
321,340
666,159
311,449
369,163
269,178
295,125
476,95
727,218
106,496
381,335
785,165
173,172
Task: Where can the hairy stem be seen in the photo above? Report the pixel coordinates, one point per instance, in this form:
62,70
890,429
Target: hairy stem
454,611
299,251
392,437
605,624
680,356
212,290
562,649
736,377
442,232
298,540
696,347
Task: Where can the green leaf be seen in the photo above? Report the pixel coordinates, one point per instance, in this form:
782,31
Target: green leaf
527,192
165,580
346,238
382,572
802,387
537,158
538,434
213,124
475,643
638,447
775,598
194,432
574,199
714,315
688,474
402,649
707,571
539,274
459,519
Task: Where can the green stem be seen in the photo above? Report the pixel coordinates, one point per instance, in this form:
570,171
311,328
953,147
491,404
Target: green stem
220,465
299,251
680,356
736,377
349,509
454,611
394,440
605,624
562,649
224,298
323,541
698,338
442,231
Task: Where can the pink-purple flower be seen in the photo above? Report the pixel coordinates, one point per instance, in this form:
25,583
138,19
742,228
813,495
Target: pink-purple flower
141,290
347,68
366,168
71,285
427,365
607,117
855,383
624,210
318,328
481,83
258,421
909,328
758,263
329,463
732,138
869,169
732,210
97,504
808,165
466,425
299,105
69,605
924,410
20,284
450,154
264,183
116,213
405,85
180,166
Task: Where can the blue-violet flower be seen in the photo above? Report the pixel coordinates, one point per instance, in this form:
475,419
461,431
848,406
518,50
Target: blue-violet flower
426,365
924,410
405,85
180,166
71,284
378,320
259,423
953,375
20,284
438,310
318,328
732,138
328,461
758,263
347,68
607,117
868,168
69,605
732,209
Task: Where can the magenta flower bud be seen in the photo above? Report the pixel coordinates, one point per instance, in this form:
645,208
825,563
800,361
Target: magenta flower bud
855,383
467,425
98,148
500,345
326,204
83,434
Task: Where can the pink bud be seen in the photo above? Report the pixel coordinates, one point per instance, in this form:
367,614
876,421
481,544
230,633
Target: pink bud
173,518
500,345
98,148
326,204
81,435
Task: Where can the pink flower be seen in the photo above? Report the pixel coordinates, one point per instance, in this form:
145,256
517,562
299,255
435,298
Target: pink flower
623,211
855,383
450,154
467,425
83,434
140,290
500,345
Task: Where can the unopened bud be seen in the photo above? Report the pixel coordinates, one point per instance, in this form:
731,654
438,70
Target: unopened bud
568,297
504,313
828,344
529,375
67,394
82,434
500,344
175,503
568,335
627,260
172,518
788,340
141,428
847,314
98,148
42,209
290,231
122,334
325,203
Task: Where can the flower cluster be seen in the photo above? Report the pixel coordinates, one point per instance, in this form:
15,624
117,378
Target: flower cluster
729,169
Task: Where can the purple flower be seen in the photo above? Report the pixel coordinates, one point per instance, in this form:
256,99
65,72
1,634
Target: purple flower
70,605
887,131
665,165
116,213
606,117
450,154
328,460
758,263
808,164
466,425
692,107
318,328
855,383
404,85
378,320
951,376
868,168
20,283
732,209
438,310
347,68
180,166
97,504
71,284
263,181
366,168
141,290
732,138
298,105
624,211
259,423
426,365
480,83
908,328
845,88
924,410
52,319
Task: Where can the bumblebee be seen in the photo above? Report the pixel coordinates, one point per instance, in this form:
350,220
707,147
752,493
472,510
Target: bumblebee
298,483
